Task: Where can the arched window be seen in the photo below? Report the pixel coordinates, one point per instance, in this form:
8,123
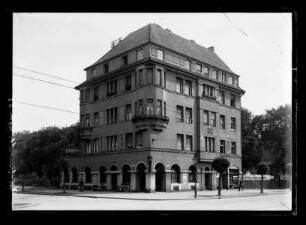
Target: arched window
87,175
192,171
74,175
66,175
126,174
102,175
175,174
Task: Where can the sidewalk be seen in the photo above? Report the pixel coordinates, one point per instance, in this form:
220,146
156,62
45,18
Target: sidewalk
178,195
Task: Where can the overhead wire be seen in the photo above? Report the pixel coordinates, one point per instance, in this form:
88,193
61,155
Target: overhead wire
60,78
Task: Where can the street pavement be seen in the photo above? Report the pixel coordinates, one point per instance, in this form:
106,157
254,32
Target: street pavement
56,199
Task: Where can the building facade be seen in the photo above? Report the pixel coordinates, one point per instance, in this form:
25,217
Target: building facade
154,112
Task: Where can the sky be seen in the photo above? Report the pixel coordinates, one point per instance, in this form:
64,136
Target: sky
256,46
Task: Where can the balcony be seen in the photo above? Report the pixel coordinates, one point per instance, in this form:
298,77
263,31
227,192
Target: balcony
208,97
150,120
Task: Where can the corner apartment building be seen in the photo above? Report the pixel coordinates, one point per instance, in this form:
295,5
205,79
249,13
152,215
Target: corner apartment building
154,112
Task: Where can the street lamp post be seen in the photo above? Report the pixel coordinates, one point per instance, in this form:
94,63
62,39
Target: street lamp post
195,176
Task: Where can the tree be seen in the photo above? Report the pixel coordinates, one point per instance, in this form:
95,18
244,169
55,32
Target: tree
220,165
262,169
39,151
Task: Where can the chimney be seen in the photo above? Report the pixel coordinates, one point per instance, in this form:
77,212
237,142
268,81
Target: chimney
192,41
168,29
211,48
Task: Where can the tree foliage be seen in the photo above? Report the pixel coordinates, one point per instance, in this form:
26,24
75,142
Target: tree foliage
40,151
220,164
268,138
262,168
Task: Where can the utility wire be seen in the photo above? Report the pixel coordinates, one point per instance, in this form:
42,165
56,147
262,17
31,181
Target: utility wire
234,24
16,74
63,110
46,74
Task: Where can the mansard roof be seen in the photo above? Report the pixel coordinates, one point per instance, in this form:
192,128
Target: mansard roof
153,33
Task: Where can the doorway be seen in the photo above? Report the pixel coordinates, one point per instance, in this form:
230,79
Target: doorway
114,178
141,177
160,177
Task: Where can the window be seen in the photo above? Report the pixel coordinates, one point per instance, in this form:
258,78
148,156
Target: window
95,145
150,76
182,62
87,120
165,109
206,117
222,122
208,91
179,85
82,96
213,74
96,93
128,83
159,108
153,52
111,143
124,60
233,147
205,70
128,112
139,140
140,108
235,81
169,58
188,115
159,77
188,87
150,109
222,97
233,123
191,173
160,54
233,101
223,77
175,174
94,72
176,60
111,88
180,141
88,147
222,146
111,115
82,121
198,68
188,142
96,119
230,80
179,114
105,67
87,95
129,140
139,54
140,77
213,119
209,144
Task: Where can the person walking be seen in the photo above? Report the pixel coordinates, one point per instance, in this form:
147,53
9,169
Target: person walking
241,185
81,184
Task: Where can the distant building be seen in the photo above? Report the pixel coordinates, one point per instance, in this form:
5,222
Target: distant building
148,107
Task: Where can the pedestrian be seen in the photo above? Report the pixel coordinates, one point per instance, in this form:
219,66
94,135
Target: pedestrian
81,184
240,185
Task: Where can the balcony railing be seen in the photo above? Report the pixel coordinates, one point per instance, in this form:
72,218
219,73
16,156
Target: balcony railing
155,121
209,97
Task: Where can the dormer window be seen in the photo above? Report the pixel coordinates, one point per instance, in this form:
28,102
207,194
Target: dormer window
213,74
230,80
139,54
198,68
94,72
205,70
124,60
105,67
